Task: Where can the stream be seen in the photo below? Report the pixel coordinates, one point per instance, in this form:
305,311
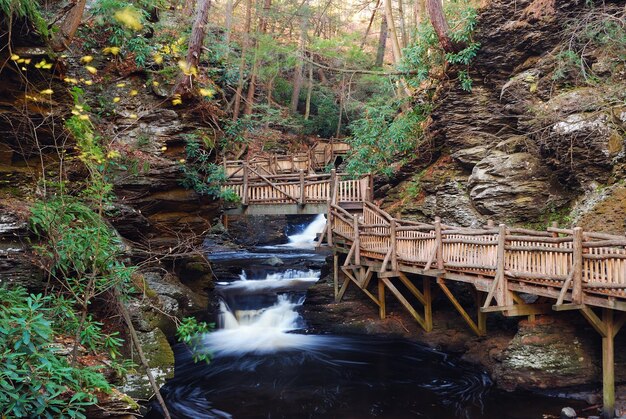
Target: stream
265,365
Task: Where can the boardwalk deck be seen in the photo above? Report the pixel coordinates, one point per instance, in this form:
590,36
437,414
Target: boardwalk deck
563,269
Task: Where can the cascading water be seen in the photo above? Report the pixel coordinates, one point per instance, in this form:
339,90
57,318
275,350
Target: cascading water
264,365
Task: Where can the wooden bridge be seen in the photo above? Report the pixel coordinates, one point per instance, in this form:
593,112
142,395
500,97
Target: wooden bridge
319,157
298,193
514,271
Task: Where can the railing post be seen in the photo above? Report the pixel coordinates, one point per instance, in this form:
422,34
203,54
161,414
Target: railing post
370,195
333,186
439,243
577,267
502,293
357,243
302,193
490,223
555,224
329,222
244,198
392,244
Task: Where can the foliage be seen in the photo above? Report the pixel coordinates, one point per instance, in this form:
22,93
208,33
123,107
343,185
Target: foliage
189,332
425,54
35,381
598,34
201,174
381,135
27,9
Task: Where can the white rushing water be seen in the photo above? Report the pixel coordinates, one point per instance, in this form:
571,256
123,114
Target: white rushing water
307,237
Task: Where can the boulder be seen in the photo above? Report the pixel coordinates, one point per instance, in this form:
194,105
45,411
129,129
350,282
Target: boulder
513,187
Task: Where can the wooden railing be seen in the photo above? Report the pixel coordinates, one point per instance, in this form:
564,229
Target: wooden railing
317,158
256,188
567,264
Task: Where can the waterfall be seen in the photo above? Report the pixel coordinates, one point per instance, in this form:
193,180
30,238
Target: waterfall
308,236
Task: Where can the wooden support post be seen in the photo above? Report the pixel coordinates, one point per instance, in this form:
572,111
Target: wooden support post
329,225
336,272
577,267
302,191
608,365
225,221
428,306
357,244
459,308
481,316
333,186
502,294
392,244
439,243
381,299
555,224
244,198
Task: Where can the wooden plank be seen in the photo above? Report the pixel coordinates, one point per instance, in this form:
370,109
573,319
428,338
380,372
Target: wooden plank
519,309
411,287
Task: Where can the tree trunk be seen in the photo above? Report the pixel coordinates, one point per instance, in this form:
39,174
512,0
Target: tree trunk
255,67
395,44
341,95
402,24
309,93
438,20
382,42
196,40
68,26
228,23
369,26
297,77
242,63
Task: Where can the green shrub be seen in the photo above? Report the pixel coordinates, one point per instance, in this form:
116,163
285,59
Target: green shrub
35,381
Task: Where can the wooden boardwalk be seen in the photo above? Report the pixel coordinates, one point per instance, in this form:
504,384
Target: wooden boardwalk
514,271
299,193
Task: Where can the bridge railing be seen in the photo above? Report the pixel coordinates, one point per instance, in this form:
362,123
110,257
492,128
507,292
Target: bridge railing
260,189
578,265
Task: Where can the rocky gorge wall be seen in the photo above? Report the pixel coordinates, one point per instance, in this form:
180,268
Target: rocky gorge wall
534,141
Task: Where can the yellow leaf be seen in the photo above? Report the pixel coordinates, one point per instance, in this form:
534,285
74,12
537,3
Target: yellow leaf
176,102
75,112
23,68
155,83
91,69
133,116
86,59
84,117
129,17
20,61
187,68
111,50
158,58
163,148
113,154
134,92
88,82
120,85
181,160
116,99
47,92
207,92
27,61
15,57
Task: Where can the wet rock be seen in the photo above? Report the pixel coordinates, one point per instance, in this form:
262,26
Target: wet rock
259,229
273,261
568,413
16,265
160,358
470,156
547,354
512,187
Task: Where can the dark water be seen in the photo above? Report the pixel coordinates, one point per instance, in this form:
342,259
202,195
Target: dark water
264,366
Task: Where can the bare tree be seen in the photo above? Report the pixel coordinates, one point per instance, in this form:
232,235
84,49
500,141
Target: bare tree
297,76
395,44
242,63
382,42
196,40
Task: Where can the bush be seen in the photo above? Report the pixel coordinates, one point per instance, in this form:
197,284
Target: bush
35,381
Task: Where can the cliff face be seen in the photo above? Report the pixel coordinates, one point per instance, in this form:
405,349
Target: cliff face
537,139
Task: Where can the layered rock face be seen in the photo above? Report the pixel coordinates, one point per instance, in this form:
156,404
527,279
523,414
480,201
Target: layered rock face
530,142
